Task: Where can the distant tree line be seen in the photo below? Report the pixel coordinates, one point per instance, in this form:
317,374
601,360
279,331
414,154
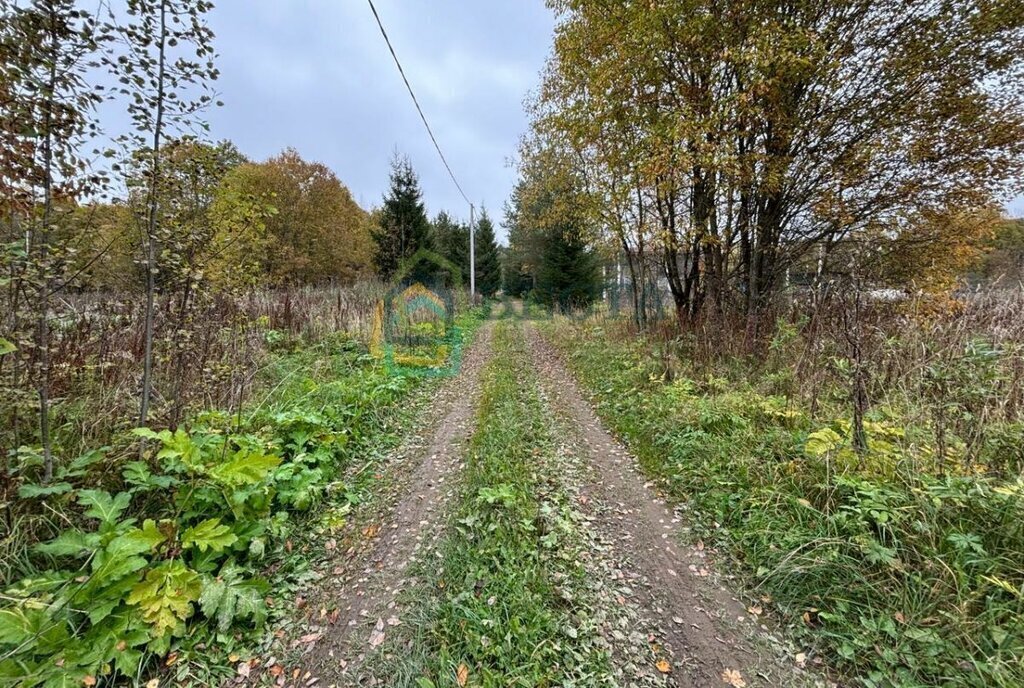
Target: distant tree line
281,222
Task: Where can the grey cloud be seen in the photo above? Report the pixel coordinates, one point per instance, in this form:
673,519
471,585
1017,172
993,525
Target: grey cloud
317,75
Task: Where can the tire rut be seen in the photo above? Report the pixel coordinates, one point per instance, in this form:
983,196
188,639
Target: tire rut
707,630
365,587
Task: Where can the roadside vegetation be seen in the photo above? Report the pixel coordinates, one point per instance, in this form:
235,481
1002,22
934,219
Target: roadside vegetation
170,563
808,300
902,561
787,217
506,603
186,374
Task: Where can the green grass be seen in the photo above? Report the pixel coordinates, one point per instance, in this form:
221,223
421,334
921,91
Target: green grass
903,578
507,602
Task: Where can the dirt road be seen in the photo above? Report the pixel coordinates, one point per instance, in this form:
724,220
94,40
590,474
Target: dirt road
666,612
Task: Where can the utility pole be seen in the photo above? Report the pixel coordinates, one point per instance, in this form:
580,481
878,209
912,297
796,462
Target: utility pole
472,258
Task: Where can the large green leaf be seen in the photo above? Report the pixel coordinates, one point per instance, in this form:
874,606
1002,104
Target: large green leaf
137,474
245,468
16,626
102,505
110,566
79,466
32,625
31,491
165,596
138,540
70,543
102,600
177,445
230,596
210,534
6,347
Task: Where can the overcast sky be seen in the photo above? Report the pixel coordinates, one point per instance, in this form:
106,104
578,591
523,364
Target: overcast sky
316,75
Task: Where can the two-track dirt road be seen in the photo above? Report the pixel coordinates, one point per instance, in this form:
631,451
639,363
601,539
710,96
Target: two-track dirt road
670,617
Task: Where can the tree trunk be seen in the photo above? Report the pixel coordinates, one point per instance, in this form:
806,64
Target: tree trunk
43,323
151,224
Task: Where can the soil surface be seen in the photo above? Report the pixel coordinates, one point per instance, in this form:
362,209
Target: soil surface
711,636
369,576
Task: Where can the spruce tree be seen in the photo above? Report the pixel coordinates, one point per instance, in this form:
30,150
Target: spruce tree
568,275
451,240
404,228
488,266
517,276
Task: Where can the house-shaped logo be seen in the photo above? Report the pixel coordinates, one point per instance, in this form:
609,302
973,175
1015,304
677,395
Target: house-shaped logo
414,329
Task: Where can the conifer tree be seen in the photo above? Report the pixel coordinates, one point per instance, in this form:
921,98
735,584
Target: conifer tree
451,240
488,266
404,228
568,275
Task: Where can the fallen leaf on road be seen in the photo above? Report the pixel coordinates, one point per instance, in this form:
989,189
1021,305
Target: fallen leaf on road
462,674
371,531
734,678
663,666
756,610
310,638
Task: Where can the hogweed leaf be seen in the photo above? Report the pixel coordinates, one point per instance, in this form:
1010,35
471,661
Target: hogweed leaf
246,468
103,506
210,534
32,491
147,538
69,543
229,596
165,596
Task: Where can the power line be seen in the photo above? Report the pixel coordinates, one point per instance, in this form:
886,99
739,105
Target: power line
417,103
